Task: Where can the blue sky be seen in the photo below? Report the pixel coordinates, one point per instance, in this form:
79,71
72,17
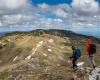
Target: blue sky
52,2
74,15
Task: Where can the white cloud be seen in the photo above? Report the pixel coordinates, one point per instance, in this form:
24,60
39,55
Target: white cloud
12,6
16,19
24,16
60,13
15,12
60,10
85,7
43,6
58,20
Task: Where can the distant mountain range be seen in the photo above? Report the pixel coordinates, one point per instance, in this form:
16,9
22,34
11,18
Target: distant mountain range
54,32
91,33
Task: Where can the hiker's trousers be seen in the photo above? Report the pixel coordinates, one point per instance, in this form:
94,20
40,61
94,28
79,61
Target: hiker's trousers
74,62
91,60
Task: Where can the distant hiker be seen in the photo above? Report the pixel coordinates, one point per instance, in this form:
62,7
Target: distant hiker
91,50
75,56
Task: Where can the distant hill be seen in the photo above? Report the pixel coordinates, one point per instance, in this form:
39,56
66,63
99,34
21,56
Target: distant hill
56,32
91,33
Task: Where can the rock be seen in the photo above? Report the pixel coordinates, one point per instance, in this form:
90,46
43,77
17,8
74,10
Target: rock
45,55
51,41
80,64
41,42
9,40
15,58
38,45
50,50
95,75
28,57
67,40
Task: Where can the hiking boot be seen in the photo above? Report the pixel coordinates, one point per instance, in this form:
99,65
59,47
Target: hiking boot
75,67
94,67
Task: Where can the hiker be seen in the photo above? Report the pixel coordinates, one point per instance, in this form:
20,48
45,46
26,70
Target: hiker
75,56
91,50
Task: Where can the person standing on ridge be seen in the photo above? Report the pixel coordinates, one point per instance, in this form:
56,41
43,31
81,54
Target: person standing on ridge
75,56
91,50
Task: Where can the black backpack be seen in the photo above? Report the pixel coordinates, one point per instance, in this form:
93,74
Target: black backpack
92,48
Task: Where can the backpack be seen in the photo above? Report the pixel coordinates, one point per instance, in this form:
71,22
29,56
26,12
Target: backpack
77,53
92,48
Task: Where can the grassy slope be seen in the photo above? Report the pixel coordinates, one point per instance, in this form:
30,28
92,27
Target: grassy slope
23,47
53,66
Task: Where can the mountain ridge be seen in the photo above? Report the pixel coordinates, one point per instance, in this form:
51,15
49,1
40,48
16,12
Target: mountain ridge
41,55
57,32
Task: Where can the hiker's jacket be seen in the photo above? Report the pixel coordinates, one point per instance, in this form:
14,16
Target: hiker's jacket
88,45
89,41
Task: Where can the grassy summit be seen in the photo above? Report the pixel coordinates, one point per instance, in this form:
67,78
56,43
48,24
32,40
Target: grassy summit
40,54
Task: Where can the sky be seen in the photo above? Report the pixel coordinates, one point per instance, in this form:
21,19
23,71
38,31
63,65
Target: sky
24,15
52,2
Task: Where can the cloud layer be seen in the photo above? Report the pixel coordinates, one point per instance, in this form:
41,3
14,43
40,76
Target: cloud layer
12,6
85,7
21,15
60,10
